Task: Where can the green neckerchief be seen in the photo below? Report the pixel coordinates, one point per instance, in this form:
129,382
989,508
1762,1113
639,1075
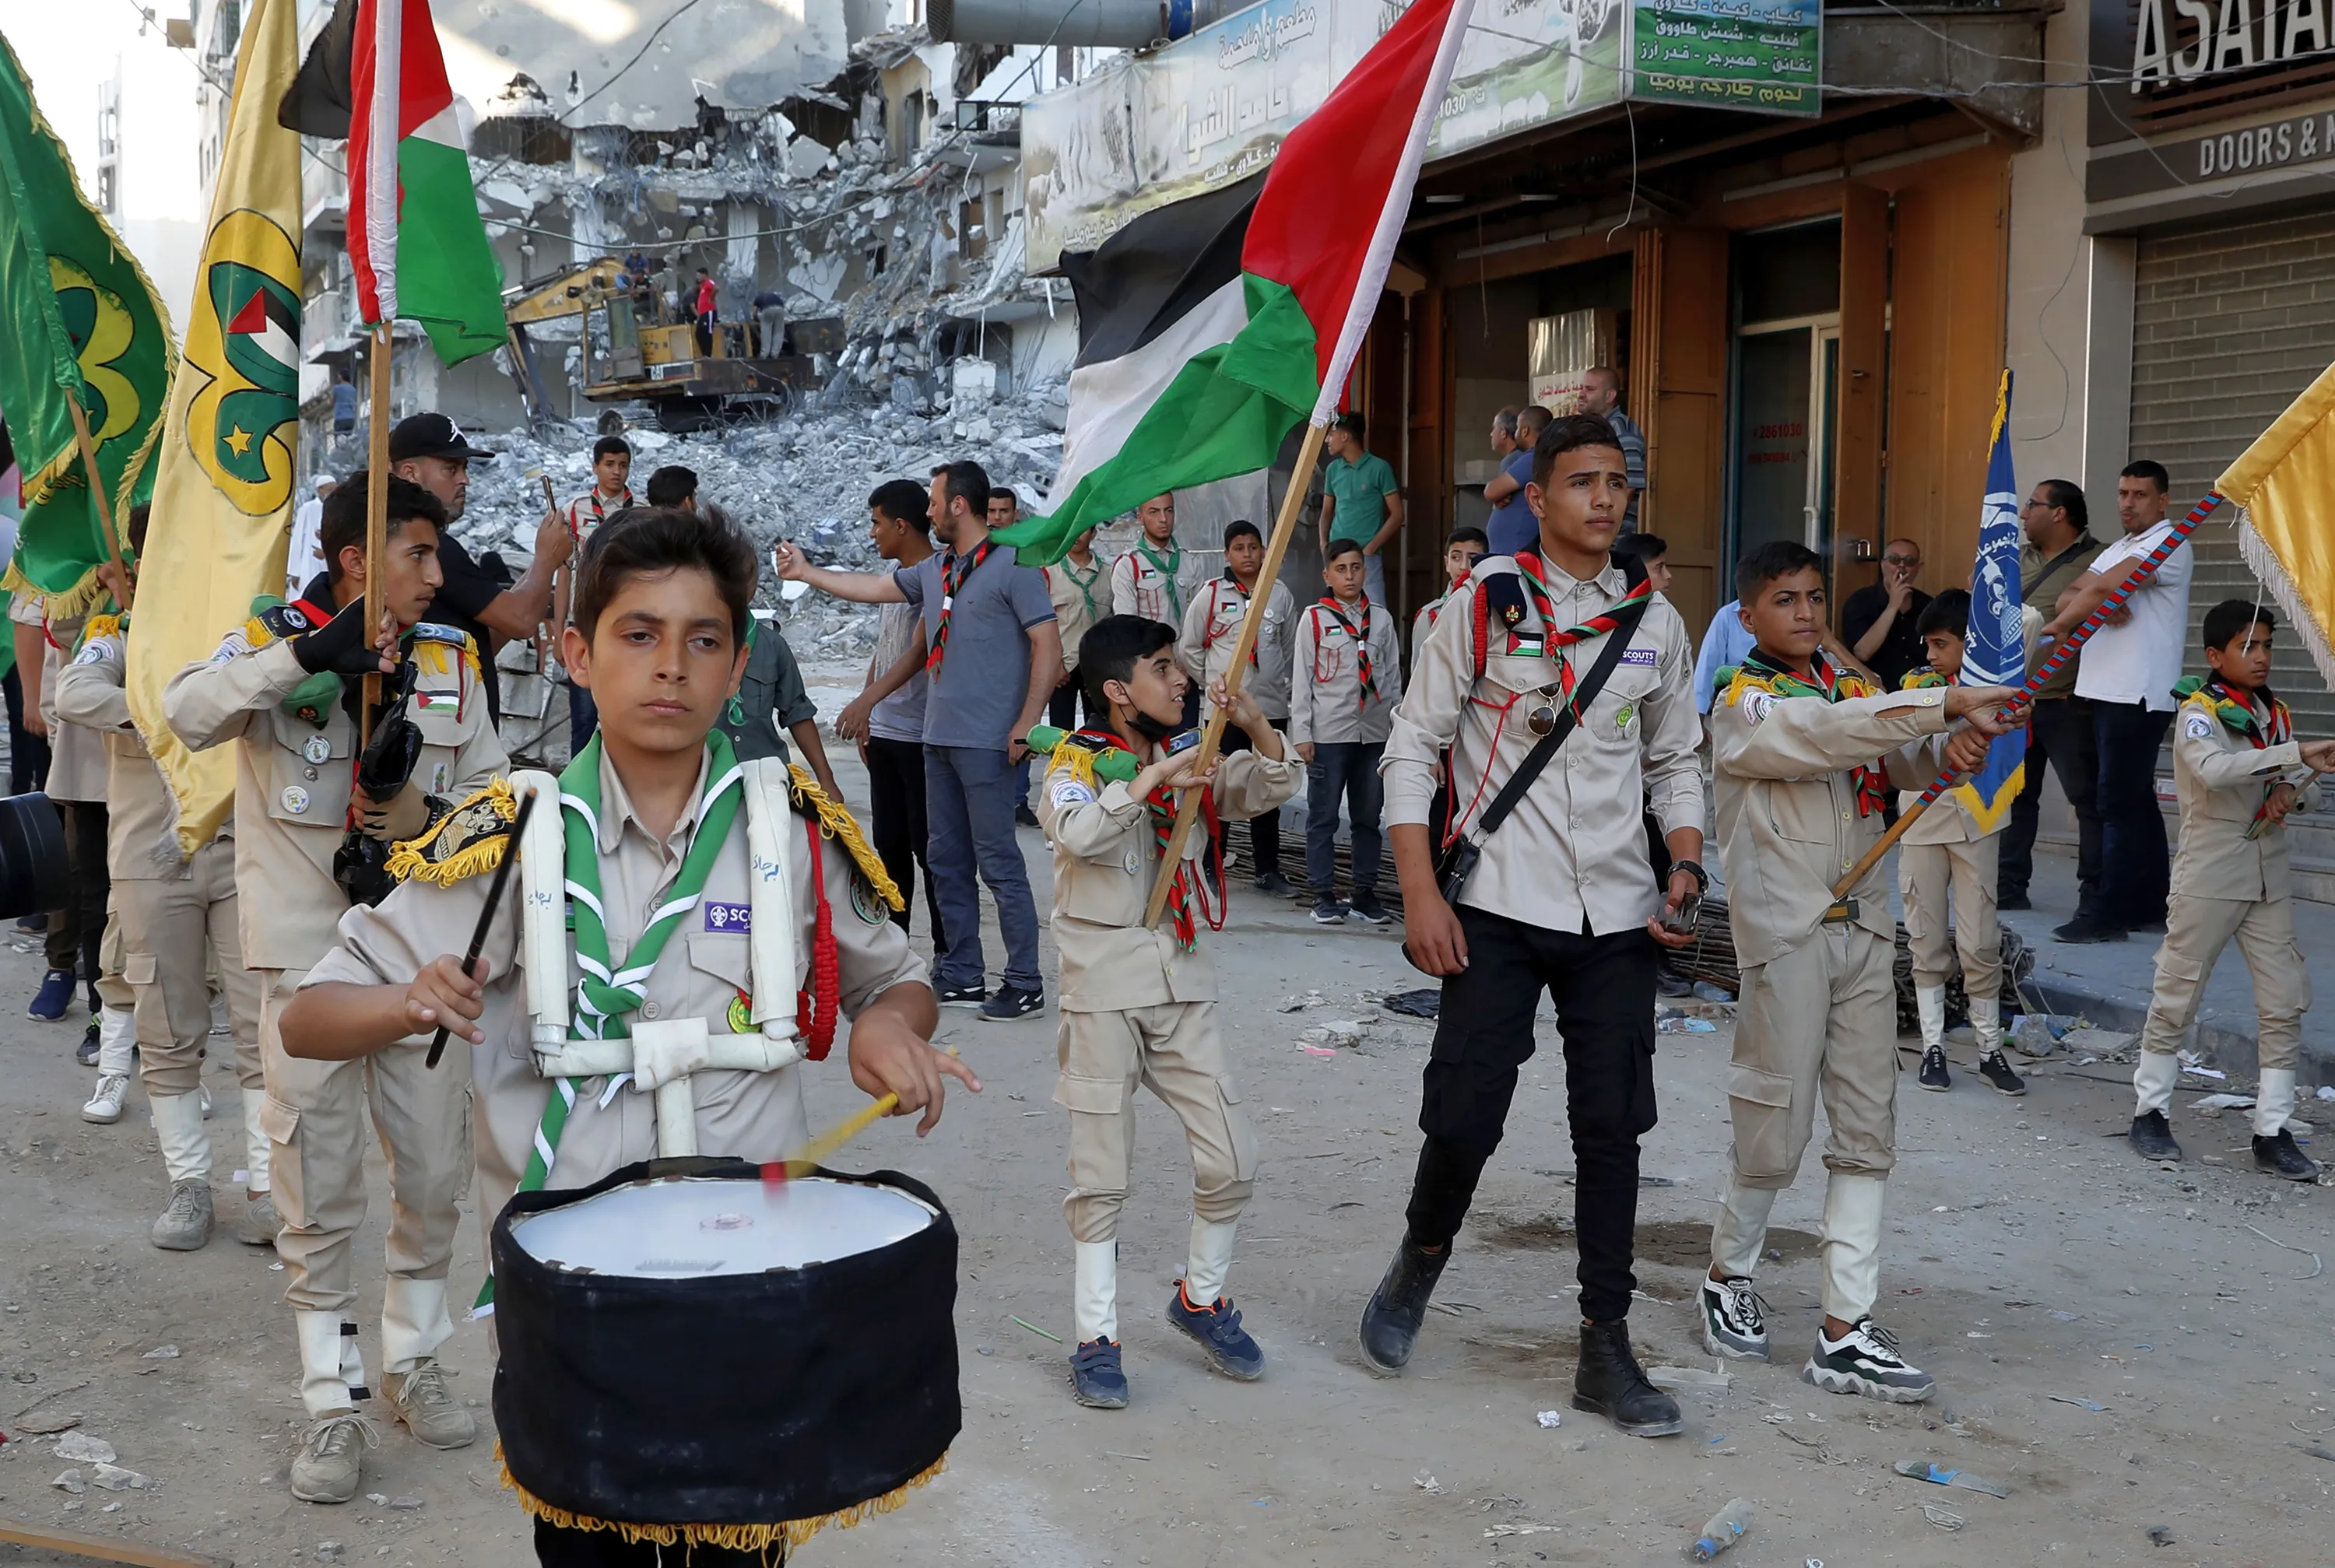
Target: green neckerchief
1167,569
1085,585
736,711
2236,713
606,996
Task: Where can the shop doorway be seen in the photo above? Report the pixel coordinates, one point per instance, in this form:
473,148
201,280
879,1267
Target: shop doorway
1785,376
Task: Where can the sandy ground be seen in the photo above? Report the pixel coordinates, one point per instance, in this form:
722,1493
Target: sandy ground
2030,1263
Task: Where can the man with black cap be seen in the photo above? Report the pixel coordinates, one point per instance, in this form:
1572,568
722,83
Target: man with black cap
478,597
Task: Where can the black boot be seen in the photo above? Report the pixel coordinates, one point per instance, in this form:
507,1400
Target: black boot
1609,1383
2152,1138
1390,1322
2279,1157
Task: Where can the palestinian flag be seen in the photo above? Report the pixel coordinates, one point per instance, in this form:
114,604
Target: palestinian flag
415,240
1209,328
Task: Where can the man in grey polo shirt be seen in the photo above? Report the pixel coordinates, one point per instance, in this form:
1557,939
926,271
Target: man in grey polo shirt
984,616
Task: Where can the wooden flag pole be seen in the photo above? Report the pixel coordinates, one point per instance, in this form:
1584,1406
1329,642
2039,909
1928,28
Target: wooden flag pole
1284,528
376,517
2140,573
96,484
101,1548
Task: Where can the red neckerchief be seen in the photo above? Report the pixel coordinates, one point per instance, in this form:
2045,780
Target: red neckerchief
1209,639
1530,566
954,572
1162,813
1361,636
816,1004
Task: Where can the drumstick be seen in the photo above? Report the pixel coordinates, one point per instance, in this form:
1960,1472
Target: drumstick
487,915
816,1151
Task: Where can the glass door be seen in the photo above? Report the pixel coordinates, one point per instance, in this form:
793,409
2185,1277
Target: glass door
1786,376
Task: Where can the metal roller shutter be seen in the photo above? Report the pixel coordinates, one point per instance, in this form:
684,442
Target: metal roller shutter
2228,325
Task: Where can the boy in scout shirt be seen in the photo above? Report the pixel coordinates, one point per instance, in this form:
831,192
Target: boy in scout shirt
284,688
1799,796
1156,580
1948,850
1139,1003
656,827
178,922
1080,587
1465,547
2240,773
1212,626
1346,671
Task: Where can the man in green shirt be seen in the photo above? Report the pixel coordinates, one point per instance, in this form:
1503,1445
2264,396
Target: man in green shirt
1360,500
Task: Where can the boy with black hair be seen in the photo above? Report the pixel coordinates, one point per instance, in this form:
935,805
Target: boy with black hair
176,926
1946,850
1156,579
890,728
1212,625
661,605
1138,1002
612,466
1461,551
1649,551
285,687
670,486
1079,587
1346,672
2240,773
1794,747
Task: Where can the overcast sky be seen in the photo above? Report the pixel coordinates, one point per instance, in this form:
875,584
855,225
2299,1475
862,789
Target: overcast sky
68,48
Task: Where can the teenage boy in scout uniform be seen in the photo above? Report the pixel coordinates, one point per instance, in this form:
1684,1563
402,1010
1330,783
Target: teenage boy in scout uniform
1794,747
1156,579
1461,551
2240,773
1345,672
1212,626
660,611
177,920
285,688
1563,898
1139,1003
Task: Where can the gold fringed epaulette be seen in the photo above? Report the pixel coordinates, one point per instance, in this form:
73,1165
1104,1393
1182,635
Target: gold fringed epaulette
1077,761
471,839
97,627
834,820
1740,681
1922,680
760,1539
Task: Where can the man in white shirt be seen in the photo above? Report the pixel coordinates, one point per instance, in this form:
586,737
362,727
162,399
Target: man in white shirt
2128,669
304,558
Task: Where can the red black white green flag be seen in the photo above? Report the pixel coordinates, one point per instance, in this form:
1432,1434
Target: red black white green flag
1208,329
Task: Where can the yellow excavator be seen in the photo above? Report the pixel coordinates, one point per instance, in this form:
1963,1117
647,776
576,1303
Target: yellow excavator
638,346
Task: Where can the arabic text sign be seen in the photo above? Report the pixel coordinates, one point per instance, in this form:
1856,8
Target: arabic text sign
1766,55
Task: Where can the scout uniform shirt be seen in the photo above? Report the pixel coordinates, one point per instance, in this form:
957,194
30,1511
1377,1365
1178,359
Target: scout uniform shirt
296,766
1329,703
1948,819
705,970
2228,751
1799,796
1082,597
141,817
1212,626
1562,860
1106,846
1155,583
77,764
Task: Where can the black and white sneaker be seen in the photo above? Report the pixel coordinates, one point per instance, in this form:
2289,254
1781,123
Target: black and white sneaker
2279,1157
1371,914
1997,1071
1328,912
1934,1074
1734,1319
963,995
1865,1361
1012,1002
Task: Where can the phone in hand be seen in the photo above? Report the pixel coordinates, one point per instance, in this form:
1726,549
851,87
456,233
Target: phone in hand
1682,922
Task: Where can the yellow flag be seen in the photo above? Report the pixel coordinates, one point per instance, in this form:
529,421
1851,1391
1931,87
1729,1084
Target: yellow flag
223,498
2280,487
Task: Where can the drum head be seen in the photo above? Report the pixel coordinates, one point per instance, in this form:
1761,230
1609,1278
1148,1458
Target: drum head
695,1228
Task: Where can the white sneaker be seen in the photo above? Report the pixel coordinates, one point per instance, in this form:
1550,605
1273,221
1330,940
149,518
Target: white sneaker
325,1469
104,1107
1865,1361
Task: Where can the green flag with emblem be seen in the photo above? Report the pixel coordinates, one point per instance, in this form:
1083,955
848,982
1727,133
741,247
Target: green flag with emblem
78,319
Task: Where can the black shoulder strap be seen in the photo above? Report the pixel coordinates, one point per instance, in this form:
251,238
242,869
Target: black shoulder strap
1624,629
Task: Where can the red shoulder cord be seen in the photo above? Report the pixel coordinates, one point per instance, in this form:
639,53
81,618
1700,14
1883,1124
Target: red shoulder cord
815,1008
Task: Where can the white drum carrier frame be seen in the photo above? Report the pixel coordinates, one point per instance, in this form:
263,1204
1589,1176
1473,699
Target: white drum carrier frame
662,1053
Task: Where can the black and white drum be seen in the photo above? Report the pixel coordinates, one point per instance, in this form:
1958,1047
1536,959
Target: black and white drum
709,1359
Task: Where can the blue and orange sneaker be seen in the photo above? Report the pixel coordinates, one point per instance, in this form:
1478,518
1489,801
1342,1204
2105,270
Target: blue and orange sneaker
55,995
1217,1329
1096,1381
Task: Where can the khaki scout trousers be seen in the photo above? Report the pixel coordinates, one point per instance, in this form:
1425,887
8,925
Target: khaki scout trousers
1824,1016
2195,932
113,989
1176,1051
315,1119
171,929
1924,873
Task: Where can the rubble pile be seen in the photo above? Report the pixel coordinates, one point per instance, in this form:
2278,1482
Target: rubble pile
805,477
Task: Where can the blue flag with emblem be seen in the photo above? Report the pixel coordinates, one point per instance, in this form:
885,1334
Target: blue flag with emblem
1995,652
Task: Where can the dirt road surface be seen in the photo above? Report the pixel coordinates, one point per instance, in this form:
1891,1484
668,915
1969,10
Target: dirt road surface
2112,1340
